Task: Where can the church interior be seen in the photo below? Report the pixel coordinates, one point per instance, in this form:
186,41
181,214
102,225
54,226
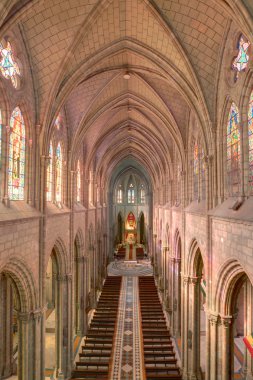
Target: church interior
126,184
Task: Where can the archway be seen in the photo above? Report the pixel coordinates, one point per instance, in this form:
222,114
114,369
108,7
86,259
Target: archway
193,330
19,322
234,300
10,334
52,313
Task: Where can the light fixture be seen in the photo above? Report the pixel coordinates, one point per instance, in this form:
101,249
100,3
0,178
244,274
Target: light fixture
126,75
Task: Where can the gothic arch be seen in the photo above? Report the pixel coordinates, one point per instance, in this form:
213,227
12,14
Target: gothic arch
79,240
194,259
23,279
229,274
61,256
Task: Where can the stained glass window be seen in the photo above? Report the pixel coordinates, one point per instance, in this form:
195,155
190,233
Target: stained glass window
130,194
119,195
203,175
58,174
8,66
16,171
250,133
78,182
1,123
142,195
241,60
49,185
58,122
233,150
195,170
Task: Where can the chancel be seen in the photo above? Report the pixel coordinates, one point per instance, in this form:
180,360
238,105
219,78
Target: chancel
126,185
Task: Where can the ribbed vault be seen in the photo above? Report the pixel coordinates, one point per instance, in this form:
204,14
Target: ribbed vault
79,52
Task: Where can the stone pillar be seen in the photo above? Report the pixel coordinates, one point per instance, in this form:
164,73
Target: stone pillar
154,255
247,369
177,298
38,317
64,327
227,341
211,346
194,328
172,291
23,350
186,339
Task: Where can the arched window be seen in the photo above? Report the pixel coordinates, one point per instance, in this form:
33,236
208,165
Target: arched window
49,185
250,133
78,182
130,193
203,175
119,195
8,66
1,123
195,170
58,174
233,151
142,194
241,60
16,172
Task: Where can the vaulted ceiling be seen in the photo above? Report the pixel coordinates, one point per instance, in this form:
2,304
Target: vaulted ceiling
80,50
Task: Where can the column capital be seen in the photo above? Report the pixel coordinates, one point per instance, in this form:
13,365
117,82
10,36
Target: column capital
213,318
65,277
226,320
186,279
24,316
38,314
194,280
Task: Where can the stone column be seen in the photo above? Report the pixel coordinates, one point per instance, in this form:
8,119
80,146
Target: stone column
185,338
23,350
177,297
172,291
78,291
38,316
194,328
64,327
212,347
227,341
247,369
154,255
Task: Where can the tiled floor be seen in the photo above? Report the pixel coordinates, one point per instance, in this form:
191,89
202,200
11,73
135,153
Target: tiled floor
127,358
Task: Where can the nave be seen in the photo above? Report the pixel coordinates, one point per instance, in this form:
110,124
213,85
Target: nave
128,337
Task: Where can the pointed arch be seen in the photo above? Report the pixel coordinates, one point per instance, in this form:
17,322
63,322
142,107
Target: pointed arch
250,135
58,174
233,151
49,185
16,165
78,182
228,276
24,282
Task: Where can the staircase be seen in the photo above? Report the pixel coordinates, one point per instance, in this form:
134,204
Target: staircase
97,349
159,356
